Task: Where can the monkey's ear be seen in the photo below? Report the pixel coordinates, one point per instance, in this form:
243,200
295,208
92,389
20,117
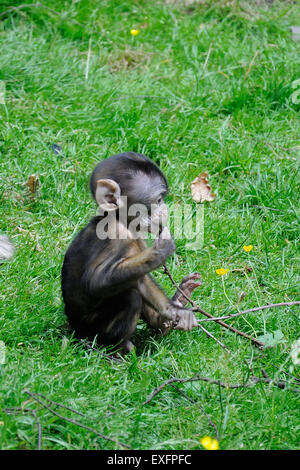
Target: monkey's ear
108,195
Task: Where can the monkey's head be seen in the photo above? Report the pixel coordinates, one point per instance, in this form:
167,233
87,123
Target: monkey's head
132,179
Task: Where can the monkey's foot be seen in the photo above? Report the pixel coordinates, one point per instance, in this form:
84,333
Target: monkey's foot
126,346
188,284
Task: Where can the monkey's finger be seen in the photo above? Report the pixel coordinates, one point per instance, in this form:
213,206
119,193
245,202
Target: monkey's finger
187,288
194,321
192,276
191,280
187,322
190,285
165,234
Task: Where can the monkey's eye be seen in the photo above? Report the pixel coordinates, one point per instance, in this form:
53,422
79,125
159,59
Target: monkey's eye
160,200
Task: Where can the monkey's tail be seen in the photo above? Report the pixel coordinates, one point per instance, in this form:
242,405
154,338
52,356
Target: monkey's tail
6,247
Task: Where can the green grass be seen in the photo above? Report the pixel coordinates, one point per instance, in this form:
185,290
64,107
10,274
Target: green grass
152,94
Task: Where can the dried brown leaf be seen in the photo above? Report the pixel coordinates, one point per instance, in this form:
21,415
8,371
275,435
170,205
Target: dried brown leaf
201,190
33,183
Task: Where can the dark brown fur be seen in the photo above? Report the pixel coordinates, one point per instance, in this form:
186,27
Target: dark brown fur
106,284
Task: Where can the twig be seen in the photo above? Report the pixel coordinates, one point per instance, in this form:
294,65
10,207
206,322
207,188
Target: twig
201,408
196,308
167,271
17,410
254,341
39,429
210,335
287,374
60,405
254,380
279,384
255,309
74,421
194,379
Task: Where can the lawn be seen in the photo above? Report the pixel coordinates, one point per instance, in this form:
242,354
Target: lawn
203,86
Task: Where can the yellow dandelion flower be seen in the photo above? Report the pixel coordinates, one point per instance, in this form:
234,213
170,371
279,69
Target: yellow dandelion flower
209,443
134,32
222,271
247,248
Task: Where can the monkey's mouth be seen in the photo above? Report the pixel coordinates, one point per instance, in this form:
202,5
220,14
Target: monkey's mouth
149,225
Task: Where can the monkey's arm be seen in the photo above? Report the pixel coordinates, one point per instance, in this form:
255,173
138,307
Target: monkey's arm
125,265
120,273
161,312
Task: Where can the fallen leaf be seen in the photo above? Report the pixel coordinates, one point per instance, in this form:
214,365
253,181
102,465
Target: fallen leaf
272,339
201,190
33,183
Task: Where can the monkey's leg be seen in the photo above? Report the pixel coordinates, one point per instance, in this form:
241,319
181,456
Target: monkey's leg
162,313
188,284
154,319
120,327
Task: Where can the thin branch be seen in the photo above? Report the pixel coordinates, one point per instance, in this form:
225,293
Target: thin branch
39,429
210,335
287,373
74,421
255,309
199,406
196,308
167,271
280,384
60,405
194,379
254,381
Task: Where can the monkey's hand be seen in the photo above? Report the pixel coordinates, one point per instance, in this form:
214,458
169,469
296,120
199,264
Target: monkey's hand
185,321
178,319
163,245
